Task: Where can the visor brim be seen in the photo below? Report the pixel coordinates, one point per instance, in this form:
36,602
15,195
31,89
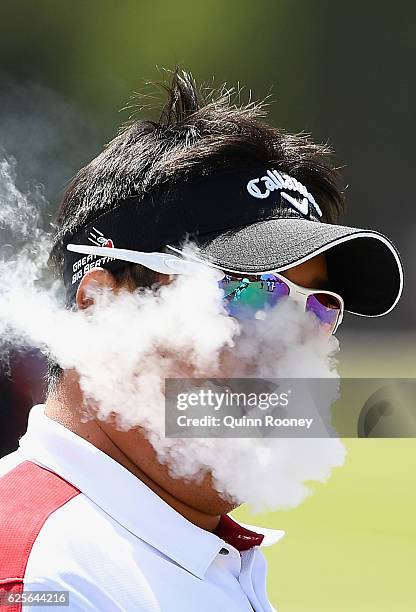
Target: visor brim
364,267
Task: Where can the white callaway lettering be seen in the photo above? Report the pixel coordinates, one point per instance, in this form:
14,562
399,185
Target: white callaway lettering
280,181
302,207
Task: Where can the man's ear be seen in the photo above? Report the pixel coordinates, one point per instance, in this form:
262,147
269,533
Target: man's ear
94,278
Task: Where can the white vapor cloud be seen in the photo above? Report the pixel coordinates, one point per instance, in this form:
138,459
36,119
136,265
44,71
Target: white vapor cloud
125,345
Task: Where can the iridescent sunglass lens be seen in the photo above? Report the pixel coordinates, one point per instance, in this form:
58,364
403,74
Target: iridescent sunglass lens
327,309
245,296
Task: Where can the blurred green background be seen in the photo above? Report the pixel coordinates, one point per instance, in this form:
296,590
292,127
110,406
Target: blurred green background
351,546
342,71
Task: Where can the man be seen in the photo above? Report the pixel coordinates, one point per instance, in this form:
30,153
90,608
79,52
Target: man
88,509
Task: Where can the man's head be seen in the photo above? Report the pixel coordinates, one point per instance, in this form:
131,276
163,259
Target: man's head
199,133
257,201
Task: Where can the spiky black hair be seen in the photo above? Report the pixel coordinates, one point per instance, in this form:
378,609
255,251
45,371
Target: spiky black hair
199,130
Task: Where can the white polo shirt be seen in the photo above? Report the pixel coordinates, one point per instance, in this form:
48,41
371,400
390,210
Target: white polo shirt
73,519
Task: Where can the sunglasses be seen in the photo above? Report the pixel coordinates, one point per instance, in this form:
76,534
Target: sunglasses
245,295
248,295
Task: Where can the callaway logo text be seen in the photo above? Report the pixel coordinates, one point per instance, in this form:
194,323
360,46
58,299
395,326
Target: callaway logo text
280,181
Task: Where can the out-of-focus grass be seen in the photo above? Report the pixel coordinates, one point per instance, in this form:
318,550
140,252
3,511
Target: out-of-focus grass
391,355
351,546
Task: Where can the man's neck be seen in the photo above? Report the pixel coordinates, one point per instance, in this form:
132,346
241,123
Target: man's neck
62,405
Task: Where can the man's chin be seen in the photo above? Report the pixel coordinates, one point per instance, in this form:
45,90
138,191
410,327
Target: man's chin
208,500
215,507
220,503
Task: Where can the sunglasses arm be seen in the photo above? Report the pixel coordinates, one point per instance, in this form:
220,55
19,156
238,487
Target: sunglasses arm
158,262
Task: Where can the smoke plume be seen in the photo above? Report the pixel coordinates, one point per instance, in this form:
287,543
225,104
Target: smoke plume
125,345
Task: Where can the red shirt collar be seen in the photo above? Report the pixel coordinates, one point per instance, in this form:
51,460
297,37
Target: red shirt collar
236,535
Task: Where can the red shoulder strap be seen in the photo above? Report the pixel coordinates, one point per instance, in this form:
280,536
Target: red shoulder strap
29,494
